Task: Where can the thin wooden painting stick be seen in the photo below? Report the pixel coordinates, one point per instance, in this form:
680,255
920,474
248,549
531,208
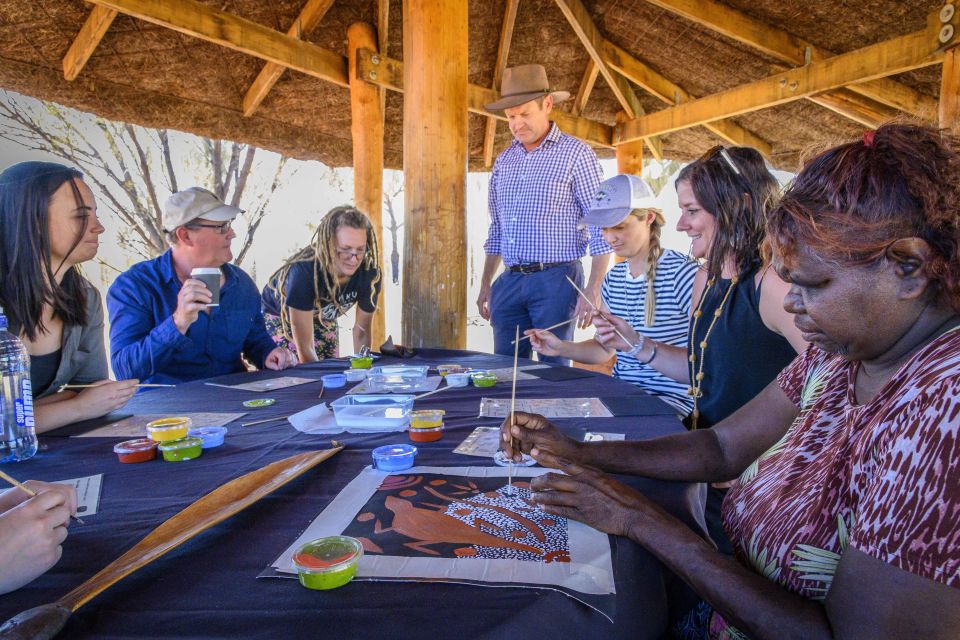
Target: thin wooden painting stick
430,393
250,424
590,302
30,492
513,404
559,324
322,387
87,386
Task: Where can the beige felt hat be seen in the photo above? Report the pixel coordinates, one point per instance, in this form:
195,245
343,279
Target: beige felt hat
523,84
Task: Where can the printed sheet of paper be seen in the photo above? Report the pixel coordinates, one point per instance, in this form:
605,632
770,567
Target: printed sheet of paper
459,524
602,436
482,442
547,407
506,373
271,384
88,493
429,384
136,426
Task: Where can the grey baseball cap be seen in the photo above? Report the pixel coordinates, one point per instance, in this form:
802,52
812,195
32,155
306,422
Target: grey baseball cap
616,198
186,206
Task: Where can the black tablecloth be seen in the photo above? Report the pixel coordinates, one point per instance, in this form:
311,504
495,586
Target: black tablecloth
208,586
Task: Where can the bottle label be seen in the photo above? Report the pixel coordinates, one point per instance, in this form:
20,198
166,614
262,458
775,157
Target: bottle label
24,405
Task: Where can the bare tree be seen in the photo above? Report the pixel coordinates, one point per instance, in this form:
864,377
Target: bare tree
389,194
134,168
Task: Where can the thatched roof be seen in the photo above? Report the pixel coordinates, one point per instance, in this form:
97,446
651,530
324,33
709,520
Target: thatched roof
153,76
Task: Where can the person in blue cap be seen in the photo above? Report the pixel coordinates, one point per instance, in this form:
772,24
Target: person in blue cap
650,289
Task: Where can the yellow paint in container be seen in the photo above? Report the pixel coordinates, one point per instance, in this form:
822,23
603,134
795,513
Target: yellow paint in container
167,429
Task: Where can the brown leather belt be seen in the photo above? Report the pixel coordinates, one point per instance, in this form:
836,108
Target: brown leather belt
535,267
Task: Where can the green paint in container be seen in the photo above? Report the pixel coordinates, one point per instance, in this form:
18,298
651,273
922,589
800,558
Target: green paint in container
183,449
328,563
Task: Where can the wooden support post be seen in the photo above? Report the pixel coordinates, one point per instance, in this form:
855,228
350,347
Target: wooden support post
383,38
366,130
629,154
435,173
503,52
950,91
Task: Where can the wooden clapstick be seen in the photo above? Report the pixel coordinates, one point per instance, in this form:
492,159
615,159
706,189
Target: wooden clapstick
45,621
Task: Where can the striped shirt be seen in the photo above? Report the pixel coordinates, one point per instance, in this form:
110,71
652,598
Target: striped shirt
537,199
625,296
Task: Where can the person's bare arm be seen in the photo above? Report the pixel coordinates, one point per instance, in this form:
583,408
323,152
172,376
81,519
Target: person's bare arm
301,329
774,316
490,265
363,326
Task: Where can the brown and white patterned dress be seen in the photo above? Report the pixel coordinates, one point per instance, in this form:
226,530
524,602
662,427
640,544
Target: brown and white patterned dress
883,477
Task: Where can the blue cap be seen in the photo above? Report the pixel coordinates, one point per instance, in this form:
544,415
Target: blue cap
616,198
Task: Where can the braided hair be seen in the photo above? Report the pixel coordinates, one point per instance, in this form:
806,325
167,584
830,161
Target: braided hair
322,251
653,258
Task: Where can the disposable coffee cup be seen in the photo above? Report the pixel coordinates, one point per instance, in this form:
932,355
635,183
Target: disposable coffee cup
210,276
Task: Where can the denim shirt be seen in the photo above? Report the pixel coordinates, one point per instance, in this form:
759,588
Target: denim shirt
145,342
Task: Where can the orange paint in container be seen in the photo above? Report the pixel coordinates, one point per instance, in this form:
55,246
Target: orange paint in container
139,450
426,425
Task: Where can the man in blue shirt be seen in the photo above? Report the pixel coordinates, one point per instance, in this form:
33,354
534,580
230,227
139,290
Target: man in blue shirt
541,187
162,328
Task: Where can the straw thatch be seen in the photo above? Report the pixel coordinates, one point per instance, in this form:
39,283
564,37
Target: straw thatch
156,77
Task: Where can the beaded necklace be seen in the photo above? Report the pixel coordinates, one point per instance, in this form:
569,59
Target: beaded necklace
695,390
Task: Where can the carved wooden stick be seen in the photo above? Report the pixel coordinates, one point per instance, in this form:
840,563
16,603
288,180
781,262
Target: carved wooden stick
45,621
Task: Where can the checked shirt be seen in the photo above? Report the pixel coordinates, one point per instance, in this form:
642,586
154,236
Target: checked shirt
537,199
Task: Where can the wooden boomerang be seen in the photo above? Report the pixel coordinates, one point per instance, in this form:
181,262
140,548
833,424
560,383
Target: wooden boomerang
45,621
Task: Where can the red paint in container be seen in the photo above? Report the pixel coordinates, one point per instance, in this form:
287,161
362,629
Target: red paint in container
139,450
425,435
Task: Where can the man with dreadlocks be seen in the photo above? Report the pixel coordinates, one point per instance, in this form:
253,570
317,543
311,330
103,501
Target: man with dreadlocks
321,282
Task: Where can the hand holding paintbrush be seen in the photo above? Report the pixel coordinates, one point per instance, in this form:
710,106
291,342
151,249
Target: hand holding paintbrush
70,496
602,314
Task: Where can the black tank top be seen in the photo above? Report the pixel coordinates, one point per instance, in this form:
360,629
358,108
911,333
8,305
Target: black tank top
43,370
742,354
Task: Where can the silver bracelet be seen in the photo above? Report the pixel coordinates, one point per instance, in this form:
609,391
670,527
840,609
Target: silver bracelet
652,355
635,349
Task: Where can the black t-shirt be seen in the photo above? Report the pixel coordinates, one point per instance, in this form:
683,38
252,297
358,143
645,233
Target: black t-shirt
300,291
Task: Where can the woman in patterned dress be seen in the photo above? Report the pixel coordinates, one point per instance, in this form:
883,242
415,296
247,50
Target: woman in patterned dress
846,519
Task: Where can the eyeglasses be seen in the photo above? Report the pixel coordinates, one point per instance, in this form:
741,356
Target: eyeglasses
722,152
346,255
221,228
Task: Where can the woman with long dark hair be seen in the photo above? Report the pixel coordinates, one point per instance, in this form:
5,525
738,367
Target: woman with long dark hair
740,336
319,283
48,227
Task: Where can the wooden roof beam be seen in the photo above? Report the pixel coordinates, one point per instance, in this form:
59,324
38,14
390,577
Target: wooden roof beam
246,36
655,84
310,16
83,46
785,47
860,109
912,51
586,87
592,40
383,39
387,72
503,52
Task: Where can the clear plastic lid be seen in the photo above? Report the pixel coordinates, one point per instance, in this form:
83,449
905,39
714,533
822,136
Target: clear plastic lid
327,555
134,446
182,443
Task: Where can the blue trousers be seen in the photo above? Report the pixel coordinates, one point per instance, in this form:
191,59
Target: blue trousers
533,301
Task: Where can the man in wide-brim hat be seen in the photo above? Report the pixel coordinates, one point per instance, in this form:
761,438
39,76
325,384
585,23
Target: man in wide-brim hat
541,187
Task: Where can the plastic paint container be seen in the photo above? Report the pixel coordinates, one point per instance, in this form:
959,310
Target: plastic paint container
258,403
183,449
457,379
167,429
139,450
210,437
425,435
444,369
328,563
394,457
355,375
484,379
361,362
426,418
334,380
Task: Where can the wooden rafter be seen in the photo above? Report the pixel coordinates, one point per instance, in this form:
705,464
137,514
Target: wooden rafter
670,93
867,112
586,87
83,46
912,51
310,16
503,52
387,72
949,113
246,36
592,40
780,45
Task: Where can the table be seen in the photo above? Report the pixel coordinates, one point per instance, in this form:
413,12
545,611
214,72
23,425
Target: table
208,586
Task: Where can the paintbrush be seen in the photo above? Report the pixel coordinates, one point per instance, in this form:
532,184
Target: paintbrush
513,402
590,302
322,387
430,393
87,386
30,492
250,424
559,324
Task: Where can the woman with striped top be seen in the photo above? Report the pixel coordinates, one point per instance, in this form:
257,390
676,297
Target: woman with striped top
650,290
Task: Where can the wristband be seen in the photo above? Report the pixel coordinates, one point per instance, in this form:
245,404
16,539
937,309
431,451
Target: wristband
635,349
652,355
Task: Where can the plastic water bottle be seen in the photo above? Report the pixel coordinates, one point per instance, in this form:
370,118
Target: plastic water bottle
19,440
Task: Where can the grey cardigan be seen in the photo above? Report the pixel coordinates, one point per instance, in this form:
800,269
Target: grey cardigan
83,358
